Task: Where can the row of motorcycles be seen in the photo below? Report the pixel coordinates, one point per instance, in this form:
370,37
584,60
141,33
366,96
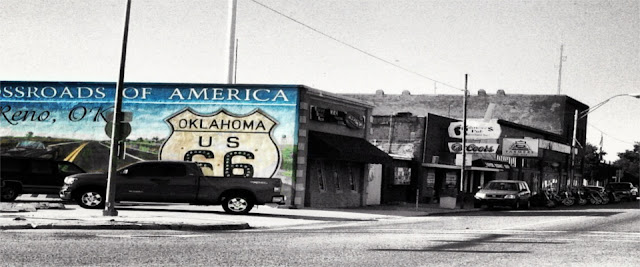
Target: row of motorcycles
576,196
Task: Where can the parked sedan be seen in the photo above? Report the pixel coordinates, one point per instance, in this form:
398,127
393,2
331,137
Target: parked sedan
508,193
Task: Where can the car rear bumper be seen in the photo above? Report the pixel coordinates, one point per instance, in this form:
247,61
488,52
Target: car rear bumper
279,199
495,202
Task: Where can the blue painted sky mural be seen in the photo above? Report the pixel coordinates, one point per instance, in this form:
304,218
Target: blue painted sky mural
253,125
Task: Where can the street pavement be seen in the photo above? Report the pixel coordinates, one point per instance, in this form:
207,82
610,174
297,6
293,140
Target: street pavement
26,213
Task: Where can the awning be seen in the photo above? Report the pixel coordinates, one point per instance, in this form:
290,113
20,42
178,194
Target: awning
331,146
496,164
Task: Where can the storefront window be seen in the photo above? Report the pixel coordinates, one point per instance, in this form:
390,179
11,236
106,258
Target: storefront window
352,178
336,178
321,181
402,176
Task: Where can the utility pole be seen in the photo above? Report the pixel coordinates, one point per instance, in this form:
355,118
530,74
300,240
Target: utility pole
560,69
233,4
109,209
464,140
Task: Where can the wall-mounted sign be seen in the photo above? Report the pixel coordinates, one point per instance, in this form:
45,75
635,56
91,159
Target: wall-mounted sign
350,119
223,143
520,147
476,129
550,145
474,148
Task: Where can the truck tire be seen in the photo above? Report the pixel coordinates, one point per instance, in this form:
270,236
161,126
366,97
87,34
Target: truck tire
237,203
10,192
91,198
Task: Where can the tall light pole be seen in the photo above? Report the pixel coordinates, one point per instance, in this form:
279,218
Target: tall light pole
464,140
109,209
231,35
583,114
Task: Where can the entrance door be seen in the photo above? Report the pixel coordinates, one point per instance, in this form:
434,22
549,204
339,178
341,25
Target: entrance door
374,184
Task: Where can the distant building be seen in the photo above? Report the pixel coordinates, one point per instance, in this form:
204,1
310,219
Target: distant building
415,130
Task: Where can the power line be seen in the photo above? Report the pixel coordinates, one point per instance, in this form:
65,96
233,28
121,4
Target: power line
610,136
353,47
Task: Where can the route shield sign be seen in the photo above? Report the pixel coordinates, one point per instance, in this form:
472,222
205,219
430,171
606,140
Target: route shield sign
224,144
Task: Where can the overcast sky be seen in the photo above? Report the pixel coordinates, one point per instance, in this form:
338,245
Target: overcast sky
425,47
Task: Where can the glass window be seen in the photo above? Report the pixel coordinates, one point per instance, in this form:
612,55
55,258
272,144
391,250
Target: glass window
321,179
352,177
402,176
336,177
68,168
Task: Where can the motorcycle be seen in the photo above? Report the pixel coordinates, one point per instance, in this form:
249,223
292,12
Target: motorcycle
580,197
615,197
566,199
542,199
594,197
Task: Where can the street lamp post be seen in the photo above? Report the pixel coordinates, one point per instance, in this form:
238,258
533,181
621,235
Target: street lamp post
581,115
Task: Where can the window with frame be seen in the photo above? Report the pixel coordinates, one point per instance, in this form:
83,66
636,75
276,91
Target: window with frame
352,177
321,180
336,177
402,176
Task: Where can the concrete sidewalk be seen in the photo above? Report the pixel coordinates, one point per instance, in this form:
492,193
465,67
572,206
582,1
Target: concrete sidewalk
163,216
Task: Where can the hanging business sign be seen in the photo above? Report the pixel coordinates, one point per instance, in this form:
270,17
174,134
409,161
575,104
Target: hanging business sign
473,148
476,129
514,147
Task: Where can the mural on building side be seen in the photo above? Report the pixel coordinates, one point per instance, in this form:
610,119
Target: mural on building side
232,130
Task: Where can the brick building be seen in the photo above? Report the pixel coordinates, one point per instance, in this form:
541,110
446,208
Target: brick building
413,130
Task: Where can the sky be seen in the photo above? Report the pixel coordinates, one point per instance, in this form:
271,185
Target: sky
347,46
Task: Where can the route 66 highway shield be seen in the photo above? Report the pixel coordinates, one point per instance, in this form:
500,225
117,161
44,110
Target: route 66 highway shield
224,144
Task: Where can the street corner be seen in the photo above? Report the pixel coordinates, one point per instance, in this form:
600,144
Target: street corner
29,207
17,207
17,222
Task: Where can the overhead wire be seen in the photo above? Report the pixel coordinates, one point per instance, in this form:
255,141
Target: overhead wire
354,47
610,136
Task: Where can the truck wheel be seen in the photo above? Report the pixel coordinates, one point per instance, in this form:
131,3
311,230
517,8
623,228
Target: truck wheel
91,199
10,192
237,203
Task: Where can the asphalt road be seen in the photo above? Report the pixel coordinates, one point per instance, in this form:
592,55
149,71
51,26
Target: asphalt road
593,236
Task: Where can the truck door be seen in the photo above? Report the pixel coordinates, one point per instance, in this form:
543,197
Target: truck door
158,182
140,182
42,177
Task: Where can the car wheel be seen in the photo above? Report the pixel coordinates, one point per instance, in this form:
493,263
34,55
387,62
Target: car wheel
237,203
527,205
10,192
91,199
477,205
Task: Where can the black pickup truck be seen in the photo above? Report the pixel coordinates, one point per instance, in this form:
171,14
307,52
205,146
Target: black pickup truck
172,182
29,175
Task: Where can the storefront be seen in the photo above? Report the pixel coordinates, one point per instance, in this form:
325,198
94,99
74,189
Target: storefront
260,131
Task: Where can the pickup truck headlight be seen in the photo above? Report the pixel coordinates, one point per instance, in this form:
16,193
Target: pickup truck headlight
480,195
276,189
69,180
510,196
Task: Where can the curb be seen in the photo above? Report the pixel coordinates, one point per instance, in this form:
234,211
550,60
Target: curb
128,226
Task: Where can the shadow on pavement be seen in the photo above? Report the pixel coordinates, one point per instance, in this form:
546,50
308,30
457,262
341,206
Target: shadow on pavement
252,214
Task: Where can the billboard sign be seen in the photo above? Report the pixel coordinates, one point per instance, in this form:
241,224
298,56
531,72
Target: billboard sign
474,148
476,129
515,147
